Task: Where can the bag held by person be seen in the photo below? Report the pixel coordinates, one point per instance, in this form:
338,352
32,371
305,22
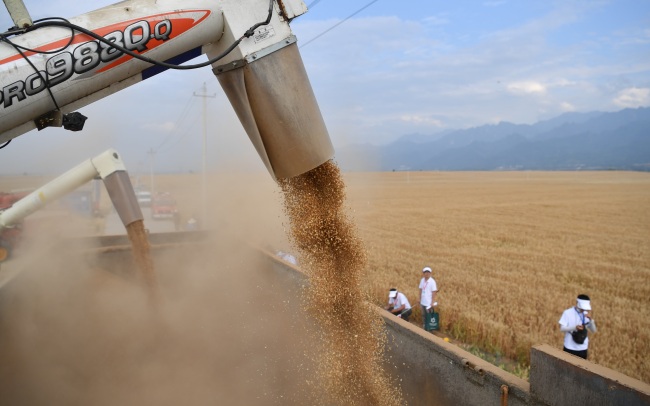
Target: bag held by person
579,336
432,321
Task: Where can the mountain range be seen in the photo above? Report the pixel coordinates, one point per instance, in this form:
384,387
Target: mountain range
572,141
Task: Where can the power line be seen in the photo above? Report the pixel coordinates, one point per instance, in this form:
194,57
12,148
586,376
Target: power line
180,118
193,119
339,23
313,3
183,117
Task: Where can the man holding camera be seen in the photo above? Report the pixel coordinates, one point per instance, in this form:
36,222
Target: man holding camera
575,323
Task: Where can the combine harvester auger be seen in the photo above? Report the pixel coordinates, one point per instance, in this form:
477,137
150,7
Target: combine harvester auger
107,166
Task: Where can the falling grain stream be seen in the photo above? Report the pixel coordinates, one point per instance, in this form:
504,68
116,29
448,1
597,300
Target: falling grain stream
334,258
142,256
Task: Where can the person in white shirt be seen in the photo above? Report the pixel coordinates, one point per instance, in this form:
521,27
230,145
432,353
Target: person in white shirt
288,257
428,290
575,324
398,304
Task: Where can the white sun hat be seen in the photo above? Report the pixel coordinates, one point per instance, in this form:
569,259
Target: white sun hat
584,304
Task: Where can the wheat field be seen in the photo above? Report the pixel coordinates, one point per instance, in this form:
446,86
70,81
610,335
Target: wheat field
511,250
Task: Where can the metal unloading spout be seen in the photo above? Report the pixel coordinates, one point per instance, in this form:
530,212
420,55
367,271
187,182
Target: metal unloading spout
120,190
272,96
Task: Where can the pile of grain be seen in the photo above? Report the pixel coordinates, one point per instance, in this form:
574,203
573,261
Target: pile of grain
334,258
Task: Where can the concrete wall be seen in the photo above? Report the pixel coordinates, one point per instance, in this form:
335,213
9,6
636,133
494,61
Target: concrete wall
438,373
558,378
459,377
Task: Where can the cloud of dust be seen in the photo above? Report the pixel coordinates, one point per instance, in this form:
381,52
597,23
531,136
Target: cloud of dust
83,331
247,206
359,158
76,329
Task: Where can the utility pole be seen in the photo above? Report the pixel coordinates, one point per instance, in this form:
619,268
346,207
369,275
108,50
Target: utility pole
204,212
152,157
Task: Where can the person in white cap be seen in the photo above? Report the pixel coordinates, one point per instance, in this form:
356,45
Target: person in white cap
575,323
428,290
398,304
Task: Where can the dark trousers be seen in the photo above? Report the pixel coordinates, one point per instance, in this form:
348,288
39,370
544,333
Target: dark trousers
581,354
405,314
424,316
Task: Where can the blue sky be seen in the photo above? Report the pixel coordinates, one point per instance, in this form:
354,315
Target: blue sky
435,65
393,69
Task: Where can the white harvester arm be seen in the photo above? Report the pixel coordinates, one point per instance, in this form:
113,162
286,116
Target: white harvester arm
108,166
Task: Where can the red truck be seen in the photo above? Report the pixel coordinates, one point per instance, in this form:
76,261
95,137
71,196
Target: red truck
163,206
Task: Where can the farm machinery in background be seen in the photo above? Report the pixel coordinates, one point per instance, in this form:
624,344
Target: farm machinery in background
51,67
163,206
107,166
